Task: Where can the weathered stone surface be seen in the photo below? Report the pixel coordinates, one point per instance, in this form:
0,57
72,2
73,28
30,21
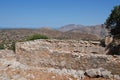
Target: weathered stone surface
7,54
71,61
106,74
64,54
100,72
116,77
12,69
62,46
77,74
93,73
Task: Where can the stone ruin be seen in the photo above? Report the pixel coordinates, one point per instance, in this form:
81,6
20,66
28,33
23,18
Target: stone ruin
62,46
67,54
62,57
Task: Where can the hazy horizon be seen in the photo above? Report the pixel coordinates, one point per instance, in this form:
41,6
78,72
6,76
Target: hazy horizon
53,13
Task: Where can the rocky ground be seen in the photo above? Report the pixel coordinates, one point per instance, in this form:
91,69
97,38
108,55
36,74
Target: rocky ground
11,69
42,62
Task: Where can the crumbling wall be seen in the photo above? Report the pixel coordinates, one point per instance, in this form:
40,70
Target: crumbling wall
69,54
67,46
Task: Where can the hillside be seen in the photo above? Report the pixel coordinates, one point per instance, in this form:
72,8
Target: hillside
9,36
98,30
19,34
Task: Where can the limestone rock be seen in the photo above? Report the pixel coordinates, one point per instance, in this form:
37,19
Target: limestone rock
93,73
106,74
80,74
100,72
116,77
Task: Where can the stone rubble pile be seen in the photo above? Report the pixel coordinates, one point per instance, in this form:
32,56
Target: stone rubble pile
92,73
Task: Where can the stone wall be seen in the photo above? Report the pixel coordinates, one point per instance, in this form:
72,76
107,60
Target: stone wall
67,54
67,46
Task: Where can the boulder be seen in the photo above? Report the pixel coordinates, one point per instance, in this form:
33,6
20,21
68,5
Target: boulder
116,77
93,73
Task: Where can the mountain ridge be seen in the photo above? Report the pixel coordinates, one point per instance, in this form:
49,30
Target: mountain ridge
98,30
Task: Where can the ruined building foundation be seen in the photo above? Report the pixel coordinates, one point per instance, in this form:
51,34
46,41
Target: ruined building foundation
69,54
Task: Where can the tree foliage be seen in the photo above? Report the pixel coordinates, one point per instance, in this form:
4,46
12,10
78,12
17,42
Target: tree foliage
113,22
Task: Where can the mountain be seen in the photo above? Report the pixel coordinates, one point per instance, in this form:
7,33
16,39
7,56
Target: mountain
70,27
98,30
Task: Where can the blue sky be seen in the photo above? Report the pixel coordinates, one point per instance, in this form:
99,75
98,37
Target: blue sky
53,13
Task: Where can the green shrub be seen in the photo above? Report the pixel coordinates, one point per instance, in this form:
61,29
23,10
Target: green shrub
102,42
12,46
36,36
113,49
1,46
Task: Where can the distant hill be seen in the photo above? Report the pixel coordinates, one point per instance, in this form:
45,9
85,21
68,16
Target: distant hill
70,27
9,36
12,35
98,30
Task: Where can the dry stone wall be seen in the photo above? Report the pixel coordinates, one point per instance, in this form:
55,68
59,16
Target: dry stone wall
69,54
67,46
